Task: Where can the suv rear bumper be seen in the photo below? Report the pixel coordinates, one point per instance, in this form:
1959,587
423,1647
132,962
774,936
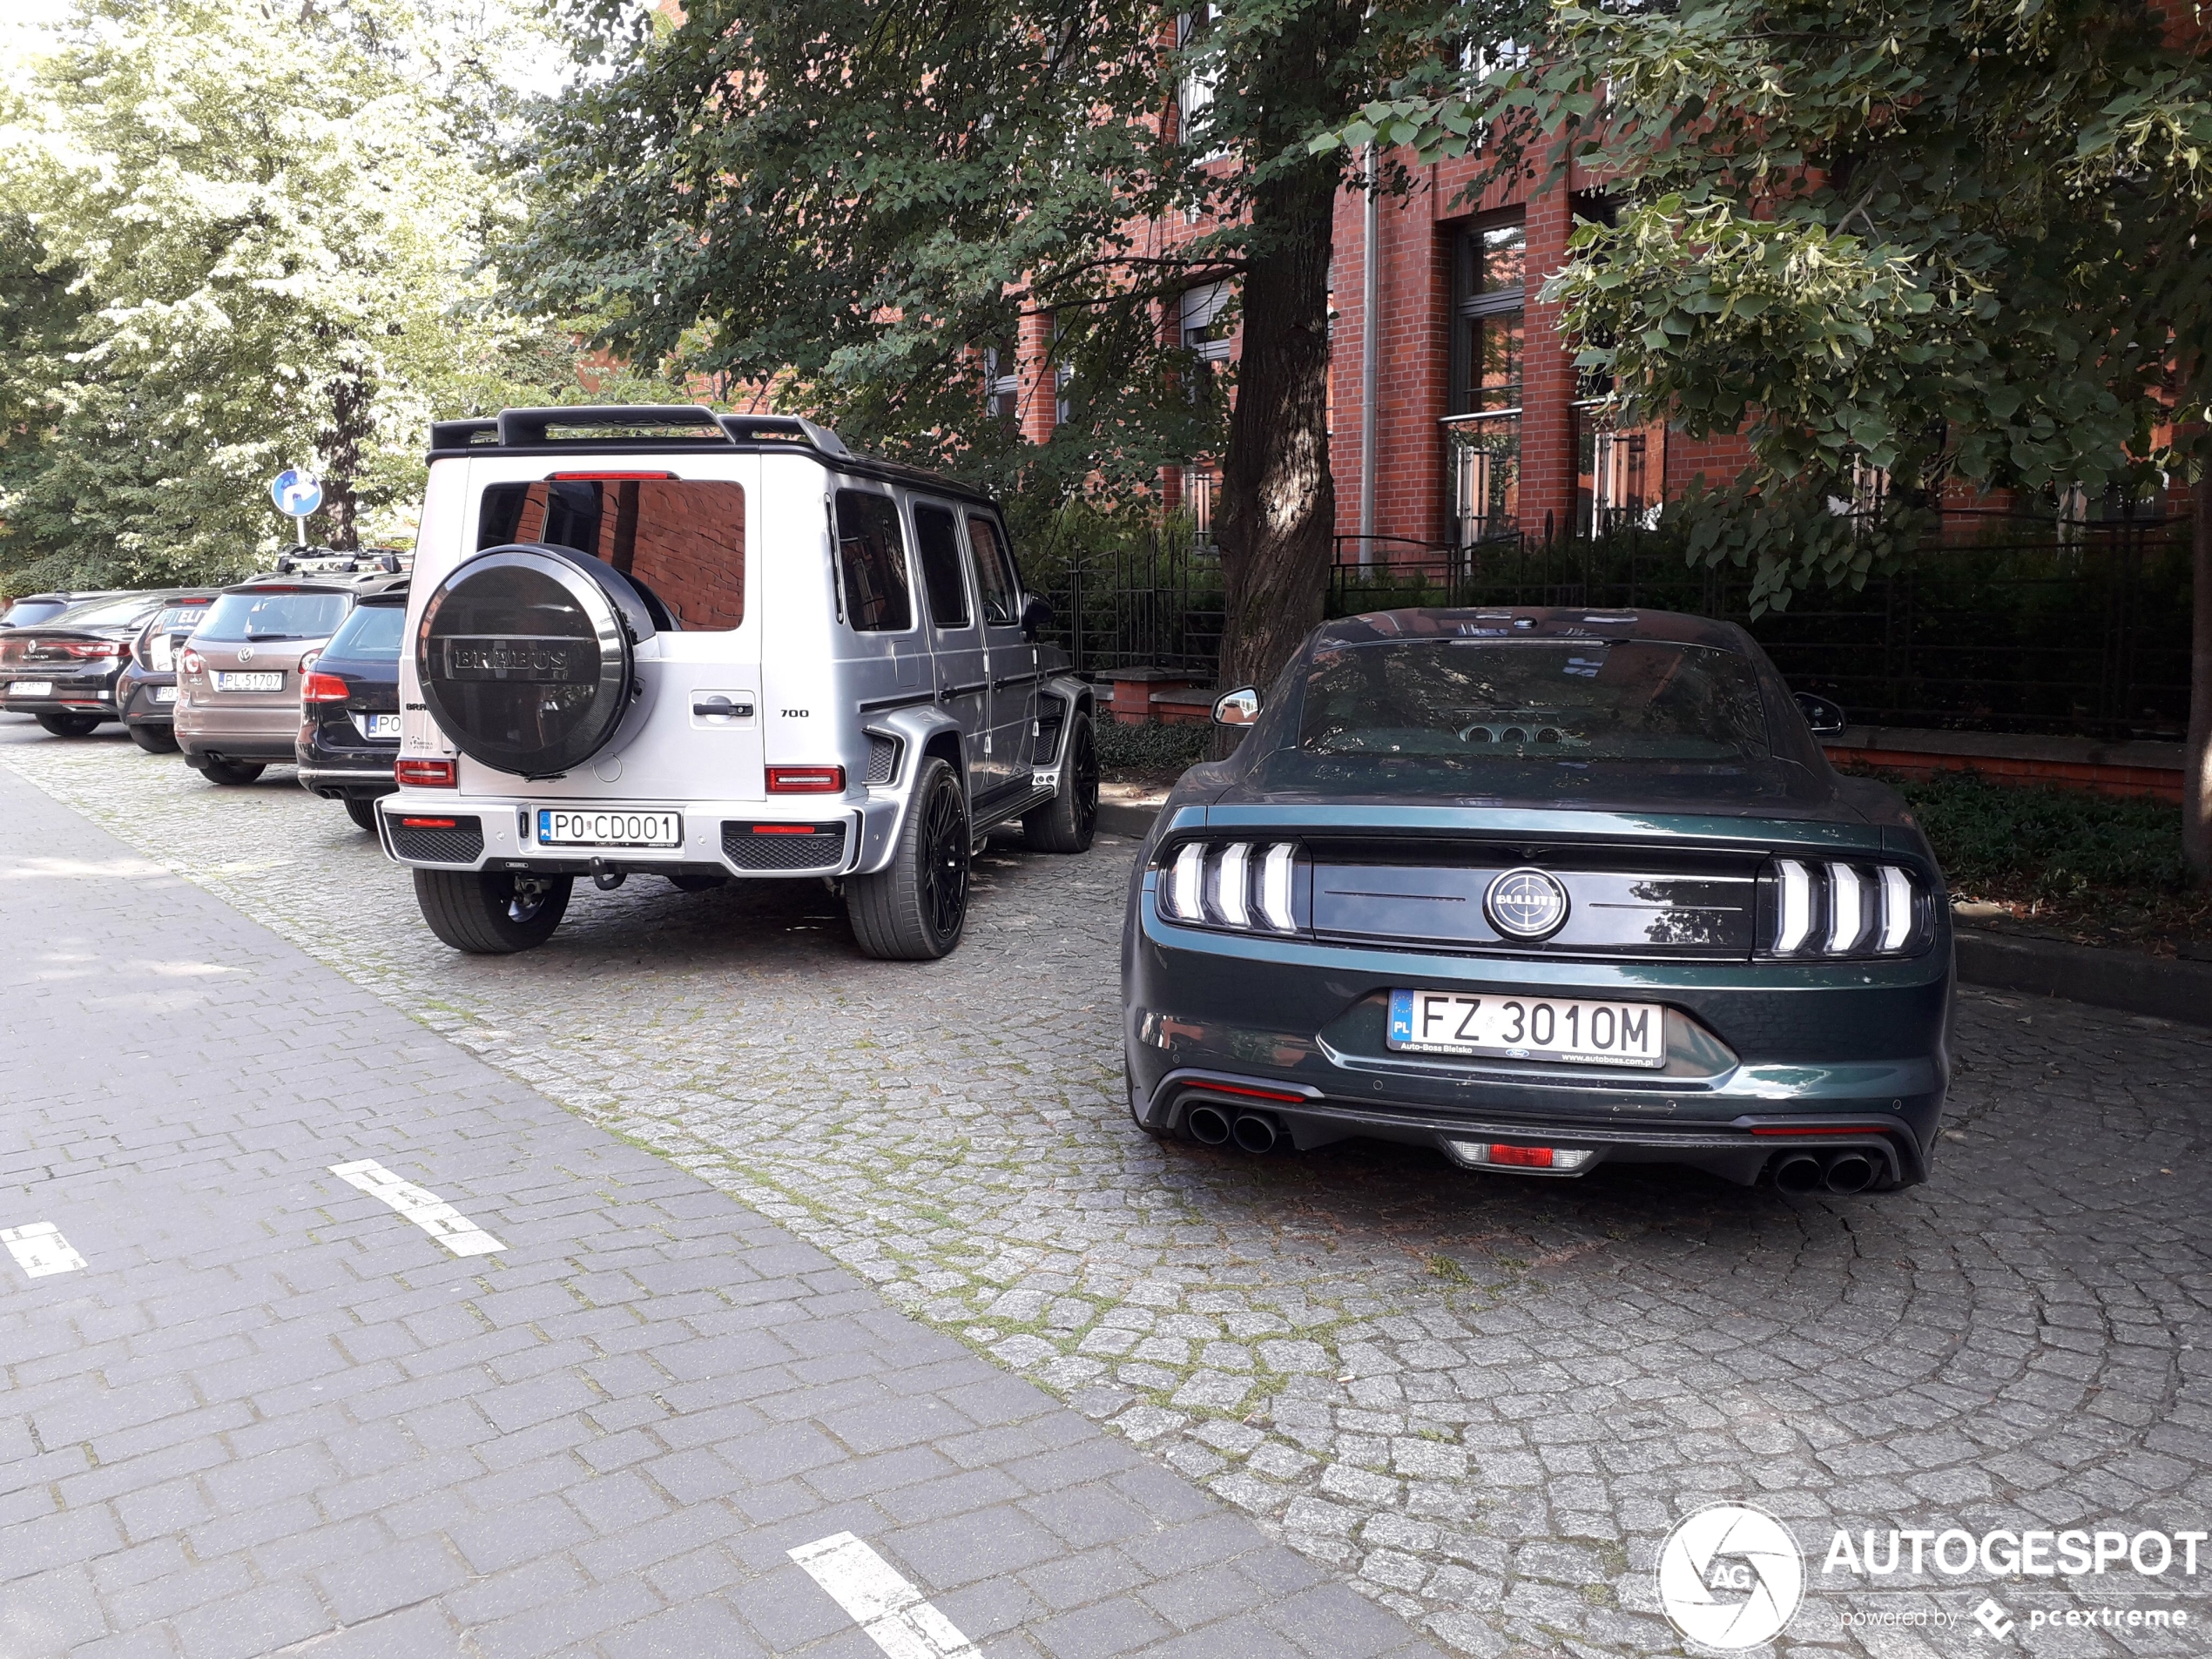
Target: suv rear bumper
734,838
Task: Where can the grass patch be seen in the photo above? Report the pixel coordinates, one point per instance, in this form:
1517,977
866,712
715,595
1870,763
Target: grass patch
2062,862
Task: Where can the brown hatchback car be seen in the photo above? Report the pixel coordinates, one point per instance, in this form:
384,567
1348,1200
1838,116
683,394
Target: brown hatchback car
238,677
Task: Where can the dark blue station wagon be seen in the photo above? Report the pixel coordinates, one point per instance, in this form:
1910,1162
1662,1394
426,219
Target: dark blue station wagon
1542,889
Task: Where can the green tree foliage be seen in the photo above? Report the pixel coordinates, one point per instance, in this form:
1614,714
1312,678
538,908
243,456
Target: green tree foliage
235,237
1957,240
860,198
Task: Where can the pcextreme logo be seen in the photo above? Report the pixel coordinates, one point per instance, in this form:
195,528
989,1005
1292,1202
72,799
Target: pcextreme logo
1731,1576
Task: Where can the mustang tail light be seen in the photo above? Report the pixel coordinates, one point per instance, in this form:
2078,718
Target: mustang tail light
1813,908
425,774
322,688
1247,885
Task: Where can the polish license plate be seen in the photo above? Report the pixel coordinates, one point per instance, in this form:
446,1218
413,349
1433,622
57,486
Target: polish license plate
1528,1028
379,725
32,688
164,694
561,827
233,680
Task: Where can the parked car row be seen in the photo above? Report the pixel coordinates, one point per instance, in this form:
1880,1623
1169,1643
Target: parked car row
1538,888
227,676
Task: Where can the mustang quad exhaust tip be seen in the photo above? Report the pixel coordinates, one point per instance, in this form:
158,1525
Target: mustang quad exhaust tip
1256,1132
1209,1125
1849,1172
1798,1172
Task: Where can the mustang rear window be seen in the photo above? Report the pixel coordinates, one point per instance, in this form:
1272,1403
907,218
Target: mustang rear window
1540,699
683,538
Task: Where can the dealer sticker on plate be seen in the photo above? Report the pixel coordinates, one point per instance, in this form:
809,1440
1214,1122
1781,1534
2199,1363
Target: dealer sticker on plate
1528,1028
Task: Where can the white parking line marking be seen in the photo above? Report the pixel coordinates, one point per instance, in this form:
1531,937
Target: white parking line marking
39,1248
888,1609
426,1210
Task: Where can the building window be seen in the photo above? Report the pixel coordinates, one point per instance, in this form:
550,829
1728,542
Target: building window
1194,96
1208,328
1489,295
1003,379
1619,474
1198,501
1489,291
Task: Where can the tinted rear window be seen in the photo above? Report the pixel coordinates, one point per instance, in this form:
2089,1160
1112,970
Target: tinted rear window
273,615
25,611
373,633
122,609
681,538
872,564
1565,700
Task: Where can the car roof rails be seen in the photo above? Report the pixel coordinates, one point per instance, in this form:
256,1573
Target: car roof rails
784,428
628,425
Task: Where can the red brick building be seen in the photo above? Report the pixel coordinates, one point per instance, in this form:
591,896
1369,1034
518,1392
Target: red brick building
1474,421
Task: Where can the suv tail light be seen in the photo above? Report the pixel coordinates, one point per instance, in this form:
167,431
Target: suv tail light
322,688
425,774
1248,885
806,780
1811,909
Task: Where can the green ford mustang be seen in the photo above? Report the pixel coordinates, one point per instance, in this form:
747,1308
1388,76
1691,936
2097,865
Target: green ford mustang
1542,889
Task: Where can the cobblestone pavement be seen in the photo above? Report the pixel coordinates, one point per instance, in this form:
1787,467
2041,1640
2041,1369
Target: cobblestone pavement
1488,1399
352,1346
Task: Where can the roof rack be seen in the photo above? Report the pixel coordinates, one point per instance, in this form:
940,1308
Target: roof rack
628,425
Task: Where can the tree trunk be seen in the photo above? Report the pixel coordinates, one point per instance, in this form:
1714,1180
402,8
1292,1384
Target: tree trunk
2197,754
1276,519
341,442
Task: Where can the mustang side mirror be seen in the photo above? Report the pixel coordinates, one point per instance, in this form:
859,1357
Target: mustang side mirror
1239,707
1036,617
1825,718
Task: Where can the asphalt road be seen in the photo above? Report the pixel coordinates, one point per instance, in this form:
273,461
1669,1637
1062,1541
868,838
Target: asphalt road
1484,1399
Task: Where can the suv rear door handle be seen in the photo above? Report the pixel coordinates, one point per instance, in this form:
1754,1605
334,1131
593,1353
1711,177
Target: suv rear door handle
718,707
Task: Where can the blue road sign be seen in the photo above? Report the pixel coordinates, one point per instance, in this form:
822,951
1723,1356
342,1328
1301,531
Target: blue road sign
296,492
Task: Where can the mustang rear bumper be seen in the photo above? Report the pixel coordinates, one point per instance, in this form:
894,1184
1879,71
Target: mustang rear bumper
1766,1061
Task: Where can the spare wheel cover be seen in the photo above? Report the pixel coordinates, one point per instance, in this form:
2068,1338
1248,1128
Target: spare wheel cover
526,658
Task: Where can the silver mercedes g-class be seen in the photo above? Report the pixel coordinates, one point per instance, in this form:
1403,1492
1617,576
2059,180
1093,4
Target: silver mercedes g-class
657,641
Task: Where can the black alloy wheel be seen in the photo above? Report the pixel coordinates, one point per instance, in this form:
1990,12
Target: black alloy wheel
154,740
1069,819
71,725
914,910
230,771
492,914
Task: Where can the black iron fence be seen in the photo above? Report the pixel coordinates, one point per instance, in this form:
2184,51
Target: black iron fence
2009,632
2013,632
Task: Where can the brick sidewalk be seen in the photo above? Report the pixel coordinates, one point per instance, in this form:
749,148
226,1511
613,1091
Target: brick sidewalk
271,1407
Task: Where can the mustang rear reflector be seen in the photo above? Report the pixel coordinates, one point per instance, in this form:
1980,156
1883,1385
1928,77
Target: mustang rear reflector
1522,1157
1249,1092
425,774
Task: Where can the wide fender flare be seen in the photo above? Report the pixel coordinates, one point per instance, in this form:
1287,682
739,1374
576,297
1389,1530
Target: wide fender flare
884,817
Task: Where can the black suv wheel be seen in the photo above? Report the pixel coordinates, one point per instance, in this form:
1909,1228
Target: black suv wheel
71,725
154,740
914,910
362,811
1067,822
491,915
